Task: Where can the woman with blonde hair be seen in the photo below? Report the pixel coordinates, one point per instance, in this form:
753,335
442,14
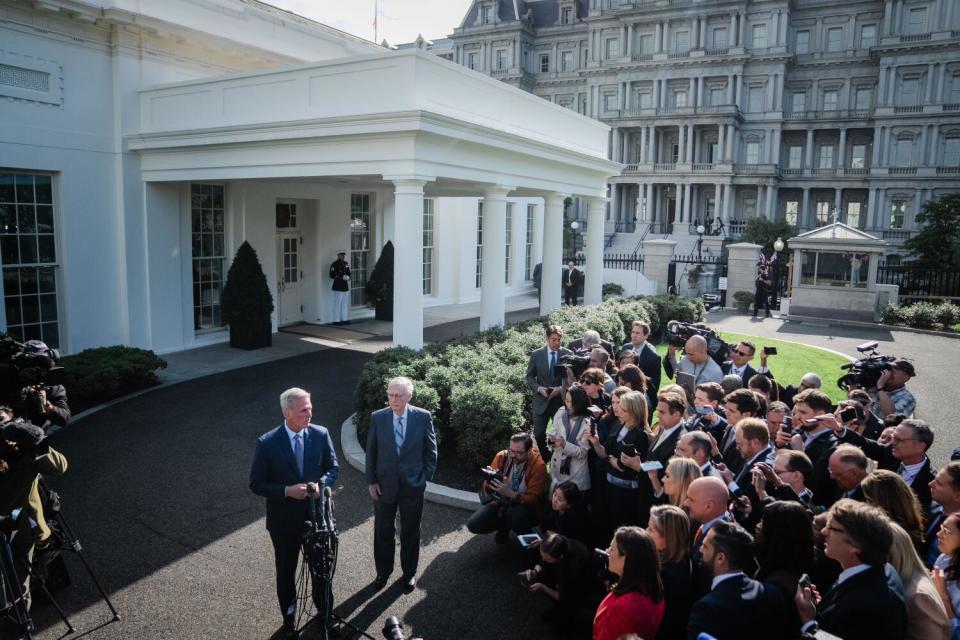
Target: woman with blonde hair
927,618
628,436
678,475
890,492
669,527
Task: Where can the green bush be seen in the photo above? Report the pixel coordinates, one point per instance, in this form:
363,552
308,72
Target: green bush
922,315
94,376
486,415
743,297
611,289
476,385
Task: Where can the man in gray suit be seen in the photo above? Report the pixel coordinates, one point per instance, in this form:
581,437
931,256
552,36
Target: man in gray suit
401,458
546,387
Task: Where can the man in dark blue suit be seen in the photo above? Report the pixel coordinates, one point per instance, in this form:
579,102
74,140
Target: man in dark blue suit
401,458
290,460
739,362
736,607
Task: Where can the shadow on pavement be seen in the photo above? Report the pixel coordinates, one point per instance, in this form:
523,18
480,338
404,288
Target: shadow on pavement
865,334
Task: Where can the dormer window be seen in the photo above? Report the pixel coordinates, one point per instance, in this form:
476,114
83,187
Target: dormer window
566,15
486,14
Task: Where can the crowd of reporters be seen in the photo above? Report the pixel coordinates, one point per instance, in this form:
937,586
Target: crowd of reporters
747,510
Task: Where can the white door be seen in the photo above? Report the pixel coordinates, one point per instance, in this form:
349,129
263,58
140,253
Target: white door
290,274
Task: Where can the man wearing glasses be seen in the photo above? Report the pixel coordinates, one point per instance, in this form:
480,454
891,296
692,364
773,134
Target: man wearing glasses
739,362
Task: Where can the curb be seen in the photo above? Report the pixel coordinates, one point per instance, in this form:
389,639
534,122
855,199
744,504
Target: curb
871,325
436,493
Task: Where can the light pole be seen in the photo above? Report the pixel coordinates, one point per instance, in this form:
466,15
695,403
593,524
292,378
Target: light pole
700,231
778,246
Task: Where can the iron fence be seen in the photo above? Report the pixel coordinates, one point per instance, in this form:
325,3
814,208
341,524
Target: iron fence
918,283
626,261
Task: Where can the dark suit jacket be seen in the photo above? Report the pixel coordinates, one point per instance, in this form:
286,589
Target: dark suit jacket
868,606
274,468
738,609
417,460
539,374
664,450
748,372
823,487
652,368
577,344
677,580
885,459
576,278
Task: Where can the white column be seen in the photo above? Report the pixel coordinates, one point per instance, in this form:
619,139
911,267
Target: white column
732,143
728,200
732,38
408,263
809,149
721,144
717,201
593,279
689,140
550,271
492,304
659,38
703,33
838,200
743,28
934,143
805,208
772,202
842,150
681,143
687,197
641,157
872,208
731,99
887,23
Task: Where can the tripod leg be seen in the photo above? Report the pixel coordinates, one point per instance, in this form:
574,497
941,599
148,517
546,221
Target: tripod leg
56,605
71,540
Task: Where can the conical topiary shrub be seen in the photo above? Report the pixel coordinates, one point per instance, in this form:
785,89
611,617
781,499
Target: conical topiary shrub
246,303
380,284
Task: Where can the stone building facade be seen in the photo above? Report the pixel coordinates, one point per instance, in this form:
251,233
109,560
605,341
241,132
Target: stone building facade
722,110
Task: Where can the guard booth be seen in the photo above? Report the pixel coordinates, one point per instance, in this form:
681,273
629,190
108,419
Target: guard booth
835,274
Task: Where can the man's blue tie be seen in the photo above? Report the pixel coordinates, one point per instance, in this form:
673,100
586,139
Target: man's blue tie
553,361
298,452
398,432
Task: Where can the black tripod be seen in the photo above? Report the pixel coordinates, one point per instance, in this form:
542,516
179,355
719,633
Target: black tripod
320,547
62,537
14,606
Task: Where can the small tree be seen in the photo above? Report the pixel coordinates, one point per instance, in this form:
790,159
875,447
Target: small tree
246,303
765,232
937,245
380,284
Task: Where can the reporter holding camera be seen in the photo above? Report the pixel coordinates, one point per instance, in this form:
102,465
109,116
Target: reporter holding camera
25,453
40,403
696,361
513,494
892,393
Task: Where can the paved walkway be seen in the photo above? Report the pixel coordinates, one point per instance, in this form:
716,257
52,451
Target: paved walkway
157,492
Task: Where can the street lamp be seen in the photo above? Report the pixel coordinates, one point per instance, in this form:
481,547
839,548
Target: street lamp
778,246
700,231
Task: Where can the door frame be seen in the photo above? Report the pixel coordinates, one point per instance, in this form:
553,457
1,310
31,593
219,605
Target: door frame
283,234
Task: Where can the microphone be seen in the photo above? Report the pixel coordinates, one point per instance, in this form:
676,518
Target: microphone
327,492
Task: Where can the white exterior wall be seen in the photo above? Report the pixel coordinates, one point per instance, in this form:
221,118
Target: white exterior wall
115,277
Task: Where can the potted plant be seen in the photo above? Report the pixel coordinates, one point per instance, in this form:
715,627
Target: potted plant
693,279
743,300
246,303
380,285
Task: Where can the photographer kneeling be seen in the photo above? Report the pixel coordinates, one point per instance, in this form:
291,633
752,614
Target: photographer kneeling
513,497
568,574
24,455
40,402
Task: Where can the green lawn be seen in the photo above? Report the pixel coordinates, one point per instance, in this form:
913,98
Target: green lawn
791,362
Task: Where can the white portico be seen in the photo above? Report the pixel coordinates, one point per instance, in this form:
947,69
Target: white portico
405,125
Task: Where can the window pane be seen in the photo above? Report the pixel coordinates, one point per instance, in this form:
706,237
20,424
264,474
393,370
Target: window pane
26,218
48,307
6,188
44,189
8,218
28,249
808,267
47,252
24,185
12,307
31,308
803,42
833,269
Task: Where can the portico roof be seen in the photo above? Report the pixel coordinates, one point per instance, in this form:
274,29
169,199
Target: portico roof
385,115
838,236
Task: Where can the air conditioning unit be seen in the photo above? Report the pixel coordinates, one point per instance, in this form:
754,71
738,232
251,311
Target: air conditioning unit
887,294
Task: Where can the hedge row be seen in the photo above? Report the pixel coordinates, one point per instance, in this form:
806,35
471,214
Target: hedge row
476,386
94,376
923,315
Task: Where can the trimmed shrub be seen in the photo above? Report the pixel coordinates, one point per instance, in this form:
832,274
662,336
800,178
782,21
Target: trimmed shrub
486,415
99,375
610,290
476,385
948,314
922,315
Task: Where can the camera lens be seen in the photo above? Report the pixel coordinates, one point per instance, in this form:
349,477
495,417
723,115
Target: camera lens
393,629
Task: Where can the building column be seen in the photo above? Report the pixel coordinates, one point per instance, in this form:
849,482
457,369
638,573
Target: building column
641,156
703,33
872,208
838,202
721,144
809,149
804,208
887,22
728,200
659,38
741,35
687,197
550,271
717,201
681,143
629,51
731,80
689,140
732,39
772,204
593,279
492,286
934,157
842,150
408,261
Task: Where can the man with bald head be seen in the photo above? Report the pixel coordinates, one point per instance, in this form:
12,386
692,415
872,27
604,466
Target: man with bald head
696,361
706,502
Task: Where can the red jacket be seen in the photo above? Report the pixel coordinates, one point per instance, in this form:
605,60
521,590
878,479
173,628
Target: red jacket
630,613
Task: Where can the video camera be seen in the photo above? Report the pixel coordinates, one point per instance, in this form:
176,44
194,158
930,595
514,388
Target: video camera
574,363
867,370
679,332
25,368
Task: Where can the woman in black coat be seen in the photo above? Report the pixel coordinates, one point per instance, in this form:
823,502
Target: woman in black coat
569,516
670,529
